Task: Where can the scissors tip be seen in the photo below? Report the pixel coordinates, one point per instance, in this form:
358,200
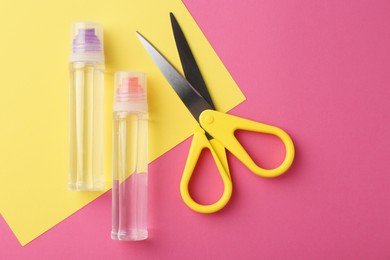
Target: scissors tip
173,18
140,36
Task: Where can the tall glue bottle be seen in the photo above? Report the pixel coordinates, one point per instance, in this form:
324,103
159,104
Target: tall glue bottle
130,157
86,107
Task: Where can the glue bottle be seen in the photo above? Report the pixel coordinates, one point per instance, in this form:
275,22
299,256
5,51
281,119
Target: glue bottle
86,107
130,160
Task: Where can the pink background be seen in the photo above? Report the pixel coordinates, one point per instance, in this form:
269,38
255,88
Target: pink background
319,70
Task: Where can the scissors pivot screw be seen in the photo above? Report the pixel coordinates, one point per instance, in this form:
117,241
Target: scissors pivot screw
209,119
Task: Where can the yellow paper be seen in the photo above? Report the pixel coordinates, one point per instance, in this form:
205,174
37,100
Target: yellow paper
34,52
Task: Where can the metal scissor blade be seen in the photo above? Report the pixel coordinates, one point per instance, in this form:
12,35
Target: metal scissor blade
191,98
190,67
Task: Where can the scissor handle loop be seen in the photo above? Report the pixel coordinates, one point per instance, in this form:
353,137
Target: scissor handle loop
222,127
200,142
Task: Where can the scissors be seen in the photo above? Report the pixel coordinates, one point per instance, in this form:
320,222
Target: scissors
215,130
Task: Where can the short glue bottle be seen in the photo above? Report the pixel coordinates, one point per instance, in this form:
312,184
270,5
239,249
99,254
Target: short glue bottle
130,157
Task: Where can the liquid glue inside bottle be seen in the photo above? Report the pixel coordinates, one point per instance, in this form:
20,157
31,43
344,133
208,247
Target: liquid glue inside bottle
130,157
86,107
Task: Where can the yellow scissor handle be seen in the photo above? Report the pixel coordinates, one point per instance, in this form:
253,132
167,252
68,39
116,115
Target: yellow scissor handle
222,127
200,142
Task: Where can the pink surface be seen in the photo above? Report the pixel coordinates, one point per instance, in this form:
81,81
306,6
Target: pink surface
319,70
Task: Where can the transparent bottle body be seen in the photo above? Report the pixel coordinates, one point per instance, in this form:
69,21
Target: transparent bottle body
130,176
86,113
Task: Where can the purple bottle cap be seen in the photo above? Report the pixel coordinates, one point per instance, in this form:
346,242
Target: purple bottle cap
87,42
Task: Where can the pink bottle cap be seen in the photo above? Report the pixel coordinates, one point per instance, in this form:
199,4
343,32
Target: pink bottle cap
130,91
